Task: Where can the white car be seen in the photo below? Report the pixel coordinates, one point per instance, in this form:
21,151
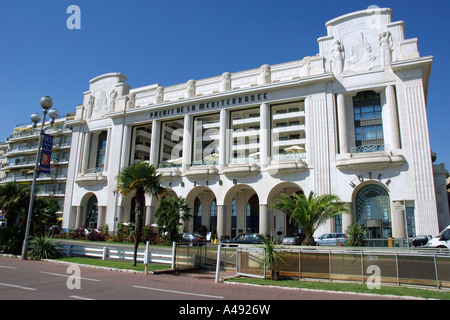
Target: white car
441,241
331,239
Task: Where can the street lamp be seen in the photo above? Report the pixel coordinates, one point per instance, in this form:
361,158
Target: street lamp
46,103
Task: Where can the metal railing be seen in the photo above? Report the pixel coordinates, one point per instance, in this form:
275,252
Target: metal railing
118,253
425,268
182,255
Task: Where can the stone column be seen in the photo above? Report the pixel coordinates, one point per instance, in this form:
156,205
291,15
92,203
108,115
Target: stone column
87,142
342,123
394,134
187,143
264,135
398,220
220,222
223,142
101,217
347,219
149,215
125,157
264,220
154,144
79,219
120,213
108,148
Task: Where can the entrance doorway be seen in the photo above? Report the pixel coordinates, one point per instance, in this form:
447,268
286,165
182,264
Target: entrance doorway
373,211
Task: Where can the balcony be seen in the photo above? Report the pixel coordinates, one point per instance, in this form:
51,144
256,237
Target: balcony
287,163
242,167
202,170
369,157
92,177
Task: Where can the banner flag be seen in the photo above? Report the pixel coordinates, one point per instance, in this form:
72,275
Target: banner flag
46,154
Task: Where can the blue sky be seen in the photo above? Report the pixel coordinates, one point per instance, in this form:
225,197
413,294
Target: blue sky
171,41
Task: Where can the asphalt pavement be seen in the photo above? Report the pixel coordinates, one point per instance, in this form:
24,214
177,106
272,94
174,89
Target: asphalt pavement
43,280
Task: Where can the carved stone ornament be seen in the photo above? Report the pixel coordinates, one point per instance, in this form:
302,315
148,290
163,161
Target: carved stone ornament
190,89
386,44
131,99
362,56
225,83
338,56
159,96
264,74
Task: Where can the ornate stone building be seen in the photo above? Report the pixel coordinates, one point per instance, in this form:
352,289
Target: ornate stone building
350,120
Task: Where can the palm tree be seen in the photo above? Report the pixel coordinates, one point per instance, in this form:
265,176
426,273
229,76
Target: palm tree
271,259
169,213
140,178
355,234
14,200
310,212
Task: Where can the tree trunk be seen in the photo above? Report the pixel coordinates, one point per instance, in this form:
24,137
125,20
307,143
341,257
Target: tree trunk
139,211
309,241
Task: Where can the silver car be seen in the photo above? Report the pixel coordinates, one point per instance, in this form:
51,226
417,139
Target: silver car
293,239
331,239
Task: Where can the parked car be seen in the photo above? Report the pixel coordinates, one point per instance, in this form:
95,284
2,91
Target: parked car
440,241
331,239
193,238
293,239
420,241
250,238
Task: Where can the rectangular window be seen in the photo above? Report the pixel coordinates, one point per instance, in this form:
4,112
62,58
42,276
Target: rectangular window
206,140
140,149
368,122
101,150
245,135
288,135
171,146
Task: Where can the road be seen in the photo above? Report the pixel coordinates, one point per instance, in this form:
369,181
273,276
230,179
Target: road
41,280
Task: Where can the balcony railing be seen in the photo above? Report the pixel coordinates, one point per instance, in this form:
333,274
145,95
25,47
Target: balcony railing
369,148
94,170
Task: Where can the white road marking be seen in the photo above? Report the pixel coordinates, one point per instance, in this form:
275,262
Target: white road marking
67,276
180,292
81,298
6,267
16,286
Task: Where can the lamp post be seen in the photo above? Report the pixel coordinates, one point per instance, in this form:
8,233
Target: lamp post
46,103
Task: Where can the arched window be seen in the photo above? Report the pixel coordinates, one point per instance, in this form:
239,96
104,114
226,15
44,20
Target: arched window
373,211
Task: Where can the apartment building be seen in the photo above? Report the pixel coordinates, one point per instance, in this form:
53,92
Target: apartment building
20,158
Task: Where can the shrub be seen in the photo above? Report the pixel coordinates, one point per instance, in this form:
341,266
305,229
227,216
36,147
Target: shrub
44,247
79,233
96,236
355,235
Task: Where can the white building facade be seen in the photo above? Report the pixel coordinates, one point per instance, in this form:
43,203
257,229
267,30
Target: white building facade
349,121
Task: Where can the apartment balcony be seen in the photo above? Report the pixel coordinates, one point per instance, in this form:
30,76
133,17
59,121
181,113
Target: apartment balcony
169,173
242,167
202,169
92,177
287,163
369,157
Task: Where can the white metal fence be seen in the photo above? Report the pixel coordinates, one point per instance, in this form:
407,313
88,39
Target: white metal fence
119,253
